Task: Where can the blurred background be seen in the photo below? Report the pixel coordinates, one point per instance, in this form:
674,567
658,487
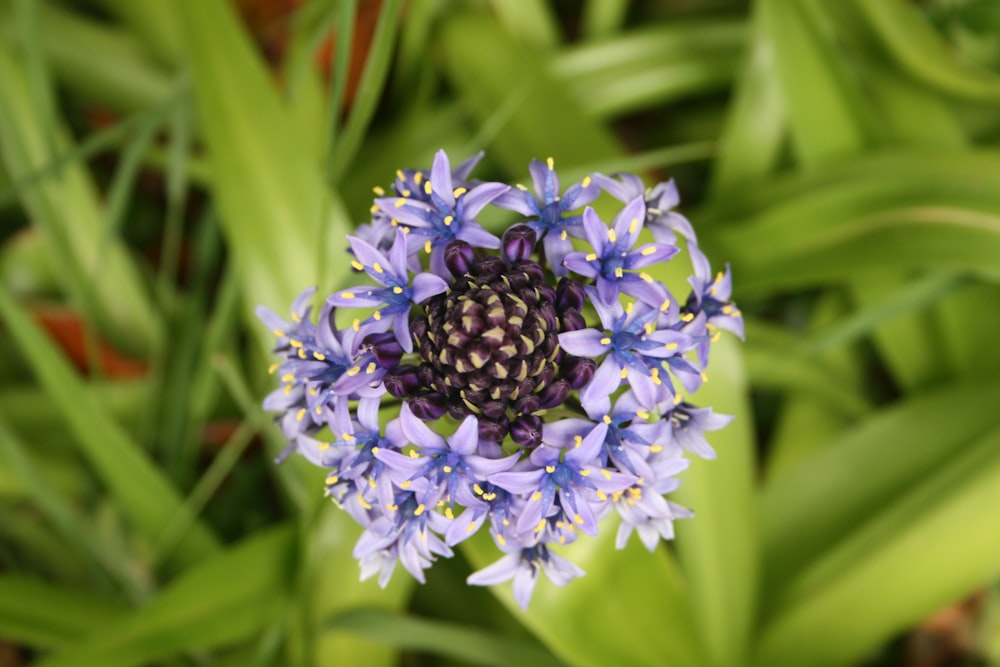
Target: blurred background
167,166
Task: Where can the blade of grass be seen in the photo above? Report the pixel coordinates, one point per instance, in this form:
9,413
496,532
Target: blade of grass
370,87
603,18
67,521
530,21
66,208
143,494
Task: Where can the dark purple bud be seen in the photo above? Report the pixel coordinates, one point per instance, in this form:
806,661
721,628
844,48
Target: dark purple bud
459,257
518,243
490,266
526,431
386,349
493,431
403,381
569,295
428,406
577,371
534,271
572,320
525,405
555,394
493,409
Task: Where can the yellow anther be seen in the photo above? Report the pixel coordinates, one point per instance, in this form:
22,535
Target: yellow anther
300,414
577,440
288,377
420,509
278,332
646,252
500,538
602,495
655,376
584,473
656,448
378,268
645,276
448,219
458,192
371,482
347,295
397,289
347,437
427,187
364,503
296,317
332,479
407,484
642,414
551,163
302,353
449,513
358,266
273,368
294,343
578,518
374,208
704,376
418,177
288,389
618,272
671,346
606,473
446,468
586,181
319,409
624,373
478,489
537,495
649,327
319,356
629,307
520,186
550,469
606,419
605,341
687,317
377,315
427,246
591,256
354,370
563,235
356,324
378,190
541,525
406,193
612,236
400,203
413,454
665,305
633,226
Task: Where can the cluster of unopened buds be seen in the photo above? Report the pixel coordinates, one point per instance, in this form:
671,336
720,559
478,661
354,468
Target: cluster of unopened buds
530,383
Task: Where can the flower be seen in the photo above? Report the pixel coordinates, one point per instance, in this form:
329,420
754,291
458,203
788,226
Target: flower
526,384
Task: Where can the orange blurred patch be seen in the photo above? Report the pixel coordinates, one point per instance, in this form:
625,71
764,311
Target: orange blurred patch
67,328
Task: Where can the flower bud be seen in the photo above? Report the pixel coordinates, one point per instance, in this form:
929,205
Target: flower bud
518,243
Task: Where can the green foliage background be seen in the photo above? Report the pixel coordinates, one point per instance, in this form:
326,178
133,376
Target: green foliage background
841,155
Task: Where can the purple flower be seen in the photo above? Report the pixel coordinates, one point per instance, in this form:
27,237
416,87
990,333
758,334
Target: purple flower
502,382
635,349
397,294
446,214
522,564
549,213
614,254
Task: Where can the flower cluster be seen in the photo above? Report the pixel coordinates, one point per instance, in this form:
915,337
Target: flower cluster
531,383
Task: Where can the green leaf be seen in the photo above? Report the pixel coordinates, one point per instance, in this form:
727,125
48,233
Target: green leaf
486,83
651,66
911,40
40,615
825,113
812,507
105,282
142,493
276,213
471,645
228,598
929,546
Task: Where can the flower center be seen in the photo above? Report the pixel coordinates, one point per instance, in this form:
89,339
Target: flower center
490,344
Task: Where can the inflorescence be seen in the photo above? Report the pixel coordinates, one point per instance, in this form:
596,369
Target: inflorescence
535,375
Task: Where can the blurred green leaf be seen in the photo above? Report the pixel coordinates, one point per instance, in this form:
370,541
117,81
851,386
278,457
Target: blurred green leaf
939,532
471,645
223,599
533,129
143,493
650,66
915,45
530,20
809,509
105,283
38,614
